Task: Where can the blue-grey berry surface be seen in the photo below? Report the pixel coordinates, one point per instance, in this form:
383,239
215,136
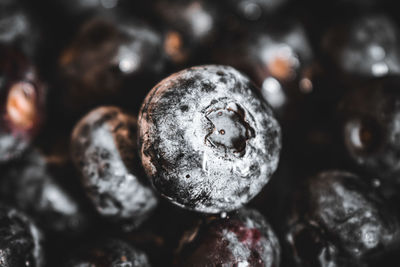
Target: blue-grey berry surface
339,219
207,140
104,150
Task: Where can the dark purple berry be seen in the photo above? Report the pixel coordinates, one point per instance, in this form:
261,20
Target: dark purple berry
109,60
21,103
109,253
104,150
243,238
370,126
338,219
207,140
20,240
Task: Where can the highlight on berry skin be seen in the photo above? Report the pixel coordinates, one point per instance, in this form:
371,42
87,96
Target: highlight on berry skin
22,103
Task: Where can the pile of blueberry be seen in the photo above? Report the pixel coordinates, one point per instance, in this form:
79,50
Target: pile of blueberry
230,133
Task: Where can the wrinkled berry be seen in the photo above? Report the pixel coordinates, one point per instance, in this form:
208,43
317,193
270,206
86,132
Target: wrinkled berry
104,150
244,238
338,219
20,240
207,140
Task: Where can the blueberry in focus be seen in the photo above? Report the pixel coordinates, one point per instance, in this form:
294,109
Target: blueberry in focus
243,238
22,98
109,253
339,219
207,140
367,46
104,150
30,185
370,127
110,60
20,240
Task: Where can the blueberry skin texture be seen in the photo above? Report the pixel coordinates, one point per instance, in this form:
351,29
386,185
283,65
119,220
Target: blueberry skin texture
370,127
104,150
22,101
207,141
20,240
339,219
244,238
110,253
28,185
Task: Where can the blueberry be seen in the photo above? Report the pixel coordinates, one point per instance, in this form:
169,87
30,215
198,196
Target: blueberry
198,16
190,25
107,57
277,57
244,238
207,140
30,185
109,253
20,240
367,46
18,28
21,103
255,9
339,219
282,52
77,7
370,127
104,150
